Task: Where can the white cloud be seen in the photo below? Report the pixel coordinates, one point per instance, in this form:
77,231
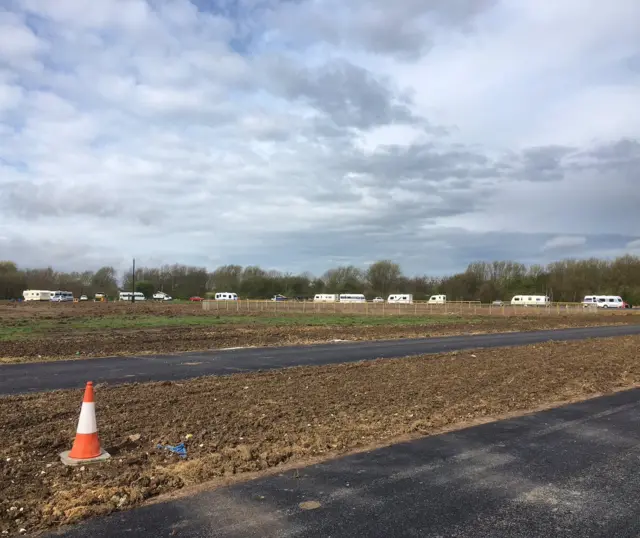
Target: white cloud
294,134
565,241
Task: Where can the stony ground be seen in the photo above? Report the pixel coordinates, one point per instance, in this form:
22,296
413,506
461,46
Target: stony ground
49,332
242,424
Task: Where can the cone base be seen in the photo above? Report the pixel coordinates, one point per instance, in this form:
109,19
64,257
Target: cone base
64,458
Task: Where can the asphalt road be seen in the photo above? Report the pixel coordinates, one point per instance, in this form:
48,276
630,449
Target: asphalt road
36,377
568,472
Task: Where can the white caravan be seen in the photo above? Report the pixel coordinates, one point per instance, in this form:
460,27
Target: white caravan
161,296
437,299
126,296
352,298
403,298
36,295
530,300
325,298
61,296
226,296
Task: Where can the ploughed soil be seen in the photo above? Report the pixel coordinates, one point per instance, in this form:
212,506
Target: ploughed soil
238,425
248,329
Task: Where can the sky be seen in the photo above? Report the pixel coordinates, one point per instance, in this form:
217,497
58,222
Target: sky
304,134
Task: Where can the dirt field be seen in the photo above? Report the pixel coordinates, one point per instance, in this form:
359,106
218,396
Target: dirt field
35,332
242,424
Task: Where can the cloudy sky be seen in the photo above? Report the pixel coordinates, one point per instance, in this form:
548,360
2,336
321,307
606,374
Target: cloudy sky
303,134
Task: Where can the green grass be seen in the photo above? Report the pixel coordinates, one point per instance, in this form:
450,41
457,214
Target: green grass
27,328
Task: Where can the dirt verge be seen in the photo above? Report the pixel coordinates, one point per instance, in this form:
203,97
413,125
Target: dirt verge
257,422
73,343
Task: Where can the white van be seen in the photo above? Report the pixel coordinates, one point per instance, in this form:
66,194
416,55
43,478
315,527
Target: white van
325,298
404,298
589,301
126,296
36,295
437,299
609,301
530,300
352,298
61,296
161,296
226,296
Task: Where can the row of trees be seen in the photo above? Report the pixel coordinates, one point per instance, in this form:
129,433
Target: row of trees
567,280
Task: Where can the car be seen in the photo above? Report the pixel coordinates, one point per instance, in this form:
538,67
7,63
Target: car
378,300
161,296
196,298
497,303
84,298
626,305
279,297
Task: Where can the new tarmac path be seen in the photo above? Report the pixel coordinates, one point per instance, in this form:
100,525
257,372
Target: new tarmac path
42,376
567,472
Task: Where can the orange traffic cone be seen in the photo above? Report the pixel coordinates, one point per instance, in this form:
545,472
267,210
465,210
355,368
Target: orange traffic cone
86,447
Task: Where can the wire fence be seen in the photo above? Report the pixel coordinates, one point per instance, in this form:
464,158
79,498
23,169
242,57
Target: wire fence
416,308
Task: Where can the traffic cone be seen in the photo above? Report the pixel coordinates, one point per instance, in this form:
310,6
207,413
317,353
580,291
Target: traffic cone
86,446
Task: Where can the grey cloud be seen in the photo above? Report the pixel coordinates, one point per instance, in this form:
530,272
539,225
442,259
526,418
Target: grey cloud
379,26
543,163
349,95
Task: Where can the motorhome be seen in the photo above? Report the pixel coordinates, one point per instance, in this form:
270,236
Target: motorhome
325,298
127,295
36,295
352,298
60,296
437,299
530,300
403,298
226,296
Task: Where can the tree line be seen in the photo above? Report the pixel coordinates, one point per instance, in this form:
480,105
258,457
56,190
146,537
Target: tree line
566,281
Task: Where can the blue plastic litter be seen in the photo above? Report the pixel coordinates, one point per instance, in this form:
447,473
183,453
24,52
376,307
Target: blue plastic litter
180,449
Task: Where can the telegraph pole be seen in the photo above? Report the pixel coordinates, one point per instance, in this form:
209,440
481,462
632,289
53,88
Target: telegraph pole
133,283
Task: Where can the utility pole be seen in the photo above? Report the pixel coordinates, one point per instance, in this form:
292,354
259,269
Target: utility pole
133,283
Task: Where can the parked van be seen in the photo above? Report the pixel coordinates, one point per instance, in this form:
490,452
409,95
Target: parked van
530,300
437,299
352,298
609,301
325,298
589,301
61,296
226,296
404,298
36,295
161,296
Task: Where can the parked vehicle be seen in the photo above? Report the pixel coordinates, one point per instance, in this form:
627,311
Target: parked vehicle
352,298
609,301
403,298
84,298
100,298
196,298
161,296
437,299
127,295
226,296
61,296
325,298
36,295
378,300
530,300
279,297
498,303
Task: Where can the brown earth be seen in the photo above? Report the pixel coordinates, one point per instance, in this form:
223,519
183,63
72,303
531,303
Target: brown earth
64,343
237,425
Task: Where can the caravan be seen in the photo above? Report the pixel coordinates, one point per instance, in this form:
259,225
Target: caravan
530,300
405,298
437,299
61,296
226,296
127,295
36,295
352,298
325,298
